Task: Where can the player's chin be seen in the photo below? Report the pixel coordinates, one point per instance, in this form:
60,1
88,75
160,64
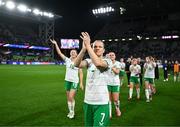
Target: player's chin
99,54
74,56
112,58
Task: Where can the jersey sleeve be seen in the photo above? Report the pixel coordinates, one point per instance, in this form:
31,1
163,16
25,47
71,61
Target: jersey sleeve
145,65
88,61
119,66
109,62
69,63
67,60
139,69
154,64
130,68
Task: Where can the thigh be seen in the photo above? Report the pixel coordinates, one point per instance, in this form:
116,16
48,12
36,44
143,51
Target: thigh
115,96
101,116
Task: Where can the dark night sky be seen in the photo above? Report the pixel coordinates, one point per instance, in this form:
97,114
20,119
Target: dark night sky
77,15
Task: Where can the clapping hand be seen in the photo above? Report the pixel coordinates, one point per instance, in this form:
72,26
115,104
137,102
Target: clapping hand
53,41
86,39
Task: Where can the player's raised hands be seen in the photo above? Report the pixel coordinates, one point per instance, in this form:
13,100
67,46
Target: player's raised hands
53,41
86,38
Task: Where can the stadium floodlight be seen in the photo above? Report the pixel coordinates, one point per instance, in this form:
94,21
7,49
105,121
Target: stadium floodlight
93,11
170,37
10,5
29,10
96,11
1,3
115,39
22,8
99,10
130,39
175,36
103,40
37,12
166,37
147,38
108,9
154,38
110,39
102,10
122,10
50,15
46,14
123,39
139,37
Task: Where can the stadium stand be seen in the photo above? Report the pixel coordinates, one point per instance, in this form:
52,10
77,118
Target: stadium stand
146,26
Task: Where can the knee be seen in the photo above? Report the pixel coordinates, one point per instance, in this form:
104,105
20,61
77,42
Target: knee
70,98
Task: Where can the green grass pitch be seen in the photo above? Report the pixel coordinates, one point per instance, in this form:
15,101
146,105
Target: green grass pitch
35,96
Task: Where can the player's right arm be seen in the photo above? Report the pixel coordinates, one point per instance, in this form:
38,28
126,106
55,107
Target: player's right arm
145,66
153,64
116,69
81,79
131,68
58,49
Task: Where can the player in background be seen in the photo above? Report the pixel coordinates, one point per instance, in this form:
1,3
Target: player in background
122,71
176,71
114,85
135,69
141,74
149,76
107,56
96,107
128,73
156,70
165,69
71,78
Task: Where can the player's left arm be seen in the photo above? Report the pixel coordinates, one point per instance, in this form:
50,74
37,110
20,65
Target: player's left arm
131,68
116,70
139,69
153,64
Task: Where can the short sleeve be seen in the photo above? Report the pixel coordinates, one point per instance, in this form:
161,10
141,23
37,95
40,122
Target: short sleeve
118,65
67,60
88,61
109,62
